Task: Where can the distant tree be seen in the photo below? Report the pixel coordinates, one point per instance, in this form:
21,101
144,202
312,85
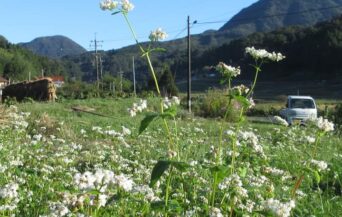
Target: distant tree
167,83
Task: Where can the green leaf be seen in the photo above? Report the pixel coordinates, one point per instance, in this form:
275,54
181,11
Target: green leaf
243,172
170,112
158,205
221,171
158,170
146,122
116,12
162,166
317,176
181,166
242,100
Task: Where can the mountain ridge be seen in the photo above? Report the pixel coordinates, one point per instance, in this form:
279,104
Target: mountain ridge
55,46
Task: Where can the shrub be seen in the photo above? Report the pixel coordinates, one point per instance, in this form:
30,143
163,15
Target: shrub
214,104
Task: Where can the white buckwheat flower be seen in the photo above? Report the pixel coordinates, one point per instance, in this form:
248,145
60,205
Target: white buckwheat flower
127,6
264,54
323,124
280,121
320,165
157,35
279,209
215,212
137,107
109,5
230,71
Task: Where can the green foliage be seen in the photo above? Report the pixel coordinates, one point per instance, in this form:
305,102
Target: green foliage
17,63
312,52
214,104
78,90
167,83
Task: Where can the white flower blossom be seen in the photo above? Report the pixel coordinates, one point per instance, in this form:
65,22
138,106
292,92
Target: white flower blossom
137,107
109,5
227,70
264,54
215,212
320,165
126,5
280,121
157,35
278,208
323,124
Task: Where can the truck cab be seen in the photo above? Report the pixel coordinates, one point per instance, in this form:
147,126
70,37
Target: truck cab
299,109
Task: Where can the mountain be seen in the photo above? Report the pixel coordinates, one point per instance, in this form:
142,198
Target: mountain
18,63
267,15
54,46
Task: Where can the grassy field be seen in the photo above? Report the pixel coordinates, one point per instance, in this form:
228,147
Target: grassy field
86,158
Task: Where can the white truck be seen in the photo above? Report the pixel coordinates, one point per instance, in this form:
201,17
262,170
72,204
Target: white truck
299,109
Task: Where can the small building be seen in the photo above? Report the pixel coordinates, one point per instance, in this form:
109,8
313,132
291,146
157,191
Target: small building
3,82
57,80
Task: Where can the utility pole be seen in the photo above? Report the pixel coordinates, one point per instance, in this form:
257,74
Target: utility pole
121,75
134,85
189,67
95,43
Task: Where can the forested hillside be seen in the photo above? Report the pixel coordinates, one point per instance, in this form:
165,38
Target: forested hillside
17,63
312,53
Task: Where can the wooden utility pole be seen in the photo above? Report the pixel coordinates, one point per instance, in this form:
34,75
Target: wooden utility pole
97,60
134,85
189,67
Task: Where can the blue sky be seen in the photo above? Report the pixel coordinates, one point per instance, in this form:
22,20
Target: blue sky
22,21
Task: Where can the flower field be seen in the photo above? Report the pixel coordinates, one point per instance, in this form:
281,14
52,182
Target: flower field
57,162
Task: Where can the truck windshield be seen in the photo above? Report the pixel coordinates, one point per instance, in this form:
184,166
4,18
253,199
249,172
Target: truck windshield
302,103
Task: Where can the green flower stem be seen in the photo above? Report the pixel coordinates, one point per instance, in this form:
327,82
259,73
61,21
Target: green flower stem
257,70
167,193
147,55
318,139
144,52
213,194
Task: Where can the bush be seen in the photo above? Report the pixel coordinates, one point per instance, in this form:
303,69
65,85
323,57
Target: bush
214,104
336,116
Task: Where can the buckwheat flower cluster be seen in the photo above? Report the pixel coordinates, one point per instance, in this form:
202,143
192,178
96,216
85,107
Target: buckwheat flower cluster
126,5
264,54
310,139
157,35
9,193
215,212
252,140
137,107
58,209
101,180
323,124
234,183
147,192
227,70
280,121
319,165
278,208
111,5
240,90
167,103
